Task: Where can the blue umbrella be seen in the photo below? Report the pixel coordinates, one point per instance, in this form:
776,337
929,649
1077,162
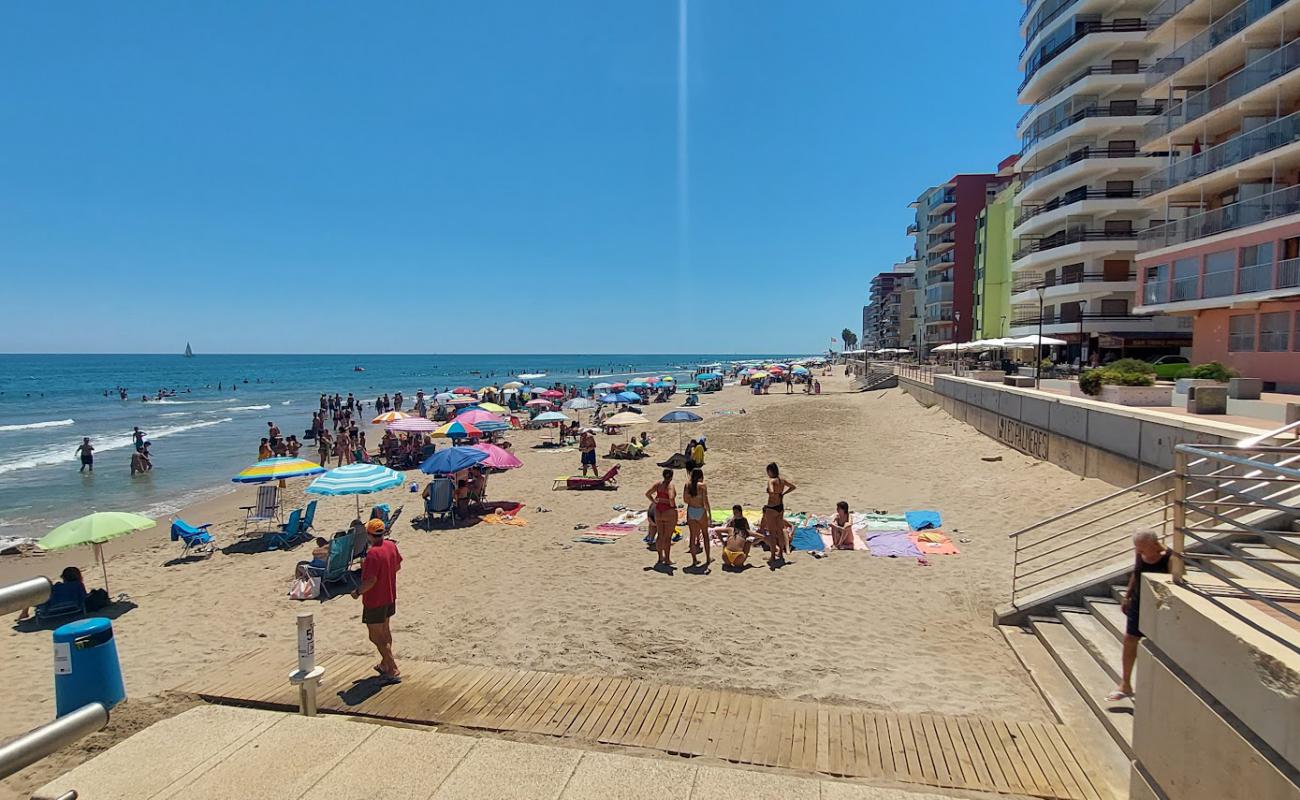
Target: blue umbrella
638,385
492,427
708,376
628,397
451,460
612,398
680,416
356,479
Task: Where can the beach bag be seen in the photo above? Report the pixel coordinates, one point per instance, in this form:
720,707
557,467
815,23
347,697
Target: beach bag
305,587
96,599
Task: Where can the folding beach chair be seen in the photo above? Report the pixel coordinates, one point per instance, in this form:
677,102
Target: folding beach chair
337,570
441,501
289,533
196,538
309,518
267,508
607,481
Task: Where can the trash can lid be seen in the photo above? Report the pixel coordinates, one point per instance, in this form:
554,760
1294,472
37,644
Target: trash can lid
82,627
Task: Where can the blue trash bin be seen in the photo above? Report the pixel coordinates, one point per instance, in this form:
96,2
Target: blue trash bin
86,669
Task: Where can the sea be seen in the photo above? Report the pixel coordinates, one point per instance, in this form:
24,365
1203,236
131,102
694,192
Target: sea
211,427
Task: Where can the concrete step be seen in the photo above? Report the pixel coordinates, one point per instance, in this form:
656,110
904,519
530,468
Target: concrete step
1090,680
1285,572
1111,763
1287,543
1110,614
1118,591
1096,639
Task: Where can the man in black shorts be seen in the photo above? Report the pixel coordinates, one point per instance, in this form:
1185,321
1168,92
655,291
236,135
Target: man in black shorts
1151,557
87,453
378,593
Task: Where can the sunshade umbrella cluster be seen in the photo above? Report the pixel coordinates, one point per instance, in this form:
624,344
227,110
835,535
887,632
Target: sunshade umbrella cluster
95,529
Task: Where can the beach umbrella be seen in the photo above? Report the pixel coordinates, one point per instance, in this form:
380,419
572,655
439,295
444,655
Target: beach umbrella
462,401
579,403
688,387
462,390
708,376
536,389
498,458
444,396
669,379
618,386
94,529
602,386
651,381
389,416
551,416
800,370
488,389
629,397
413,425
456,429
626,418
552,394
277,469
611,398
356,479
476,415
546,404
451,460
1034,340
638,385
677,417
494,408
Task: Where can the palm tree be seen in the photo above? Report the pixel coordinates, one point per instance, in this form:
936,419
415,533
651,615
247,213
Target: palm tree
849,338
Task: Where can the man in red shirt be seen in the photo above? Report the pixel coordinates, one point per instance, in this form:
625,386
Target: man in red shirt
378,593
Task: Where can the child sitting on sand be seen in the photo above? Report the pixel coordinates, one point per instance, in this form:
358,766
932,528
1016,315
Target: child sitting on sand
736,548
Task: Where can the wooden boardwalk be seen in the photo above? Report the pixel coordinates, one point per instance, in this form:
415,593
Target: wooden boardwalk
973,753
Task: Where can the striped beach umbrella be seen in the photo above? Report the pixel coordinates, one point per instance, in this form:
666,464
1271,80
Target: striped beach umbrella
389,416
456,429
277,469
356,479
413,425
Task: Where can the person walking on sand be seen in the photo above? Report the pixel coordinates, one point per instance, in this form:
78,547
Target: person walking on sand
378,593
587,444
663,497
698,515
87,452
773,524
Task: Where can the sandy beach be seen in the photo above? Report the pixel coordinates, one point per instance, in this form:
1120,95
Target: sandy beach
878,632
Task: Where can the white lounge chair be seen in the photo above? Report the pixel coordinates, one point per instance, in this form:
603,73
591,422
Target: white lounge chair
267,508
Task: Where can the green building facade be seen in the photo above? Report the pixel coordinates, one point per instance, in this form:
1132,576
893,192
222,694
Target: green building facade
992,302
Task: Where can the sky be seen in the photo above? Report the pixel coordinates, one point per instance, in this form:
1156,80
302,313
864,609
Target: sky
640,176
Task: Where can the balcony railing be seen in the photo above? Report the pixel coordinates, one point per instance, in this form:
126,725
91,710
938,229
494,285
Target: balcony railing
1264,208
1084,30
941,261
1028,283
1288,273
939,294
1255,278
1106,70
1070,237
1048,13
948,198
1067,318
1082,154
912,229
1245,280
1165,11
1239,148
1146,110
1260,72
1220,31
935,241
1028,212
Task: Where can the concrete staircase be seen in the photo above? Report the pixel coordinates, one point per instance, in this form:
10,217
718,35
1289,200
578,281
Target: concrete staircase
873,380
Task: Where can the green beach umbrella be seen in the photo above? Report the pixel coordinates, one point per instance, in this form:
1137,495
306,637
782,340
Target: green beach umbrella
95,529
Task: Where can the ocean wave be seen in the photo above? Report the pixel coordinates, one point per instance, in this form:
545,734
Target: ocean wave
247,408
66,453
175,414
286,402
57,423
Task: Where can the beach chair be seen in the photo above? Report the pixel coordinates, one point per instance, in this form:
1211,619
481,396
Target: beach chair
381,512
607,481
267,508
196,538
309,518
66,600
337,570
441,501
289,533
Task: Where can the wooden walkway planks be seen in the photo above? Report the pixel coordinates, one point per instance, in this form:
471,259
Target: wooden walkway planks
972,753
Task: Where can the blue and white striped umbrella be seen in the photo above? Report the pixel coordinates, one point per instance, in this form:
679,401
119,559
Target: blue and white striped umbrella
356,479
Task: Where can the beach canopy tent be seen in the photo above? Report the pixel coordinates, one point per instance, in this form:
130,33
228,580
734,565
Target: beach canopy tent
451,460
355,479
413,425
498,458
277,469
389,416
94,529
626,418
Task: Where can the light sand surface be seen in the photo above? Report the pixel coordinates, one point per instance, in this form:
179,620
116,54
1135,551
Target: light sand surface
884,633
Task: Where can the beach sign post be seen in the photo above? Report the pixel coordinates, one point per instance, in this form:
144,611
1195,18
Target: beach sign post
307,676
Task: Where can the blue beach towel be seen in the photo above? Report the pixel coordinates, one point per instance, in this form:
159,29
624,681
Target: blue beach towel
806,539
920,520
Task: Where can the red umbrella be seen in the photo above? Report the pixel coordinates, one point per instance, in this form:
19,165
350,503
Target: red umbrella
618,386
650,380
547,404
552,393
462,390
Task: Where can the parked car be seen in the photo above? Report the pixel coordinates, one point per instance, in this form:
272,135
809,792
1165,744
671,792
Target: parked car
1170,367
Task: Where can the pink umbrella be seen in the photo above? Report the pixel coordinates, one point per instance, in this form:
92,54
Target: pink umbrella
413,425
540,404
650,380
617,386
498,458
462,390
476,415
552,393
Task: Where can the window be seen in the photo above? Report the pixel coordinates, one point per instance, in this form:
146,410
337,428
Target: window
1123,108
1114,308
1219,268
1256,273
1186,276
1274,332
1241,333
1155,286
1295,334
1119,188
1125,66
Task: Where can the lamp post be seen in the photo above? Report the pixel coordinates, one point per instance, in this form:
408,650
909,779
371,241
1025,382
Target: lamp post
956,348
1038,345
1083,304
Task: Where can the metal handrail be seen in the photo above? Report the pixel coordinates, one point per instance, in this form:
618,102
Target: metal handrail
24,594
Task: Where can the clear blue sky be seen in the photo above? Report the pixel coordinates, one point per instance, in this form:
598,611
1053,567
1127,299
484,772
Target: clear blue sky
491,177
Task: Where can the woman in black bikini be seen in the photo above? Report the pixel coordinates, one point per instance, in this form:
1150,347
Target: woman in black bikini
773,525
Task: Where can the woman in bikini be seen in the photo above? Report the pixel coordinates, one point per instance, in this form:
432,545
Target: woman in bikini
736,548
698,513
773,525
663,497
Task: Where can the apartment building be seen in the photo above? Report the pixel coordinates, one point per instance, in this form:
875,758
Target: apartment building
945,255
1225,252
885,312
1079,210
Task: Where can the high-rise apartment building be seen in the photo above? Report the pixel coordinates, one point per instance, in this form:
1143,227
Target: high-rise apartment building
1079,210
945,254
885,313
1224,251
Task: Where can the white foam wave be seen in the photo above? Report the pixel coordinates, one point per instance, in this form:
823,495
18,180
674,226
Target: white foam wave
30,426
66,453
175,414
286,402
248,408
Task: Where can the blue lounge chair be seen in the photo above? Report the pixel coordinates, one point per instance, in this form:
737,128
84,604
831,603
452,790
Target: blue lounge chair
337,568
441,501
289,533
66,600
309,519
196,538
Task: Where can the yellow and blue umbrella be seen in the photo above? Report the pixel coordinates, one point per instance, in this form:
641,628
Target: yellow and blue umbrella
277,469
458,429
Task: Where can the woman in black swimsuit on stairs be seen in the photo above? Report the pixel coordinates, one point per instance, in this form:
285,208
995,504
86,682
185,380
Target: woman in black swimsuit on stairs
773,523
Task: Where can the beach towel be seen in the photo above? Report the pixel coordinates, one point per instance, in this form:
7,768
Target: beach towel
806,539
505,509
892,544
858,542
920,520
934,543
721,515
593,538
502,519
880,522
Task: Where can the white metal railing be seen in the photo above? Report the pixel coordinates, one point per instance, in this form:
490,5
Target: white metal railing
1095,538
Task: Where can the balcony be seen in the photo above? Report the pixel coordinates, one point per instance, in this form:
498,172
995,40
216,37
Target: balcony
1087,73
912,230
1068,317
1070,237
943,224
1084,30
1083,154
939,244
1166,11
1031,283
1275,205
944,261
940,293
943,204
1091,112
1048,12
1218,32
1247,279
1243,147
1028,212
1258,73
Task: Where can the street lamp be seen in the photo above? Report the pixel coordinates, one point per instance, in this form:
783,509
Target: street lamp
1038,345
956,348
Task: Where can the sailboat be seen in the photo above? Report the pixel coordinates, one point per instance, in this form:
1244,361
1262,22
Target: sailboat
188,352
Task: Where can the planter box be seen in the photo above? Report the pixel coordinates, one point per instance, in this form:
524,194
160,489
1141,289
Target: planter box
1183,384
986,375
1245,388
1137,395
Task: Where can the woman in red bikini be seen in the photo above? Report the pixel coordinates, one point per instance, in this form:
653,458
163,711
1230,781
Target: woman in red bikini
664,497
